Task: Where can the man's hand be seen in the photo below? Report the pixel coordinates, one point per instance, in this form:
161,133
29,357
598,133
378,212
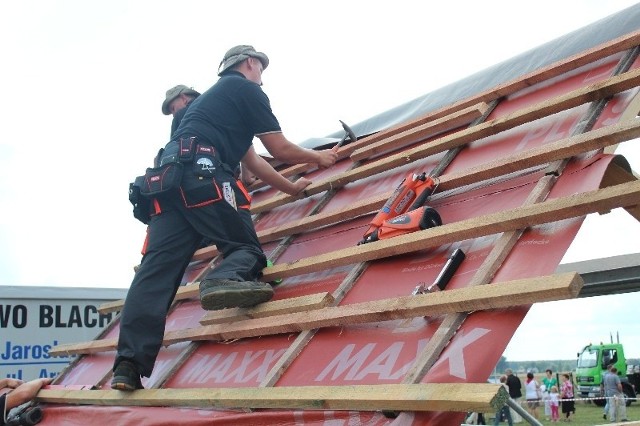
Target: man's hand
327,158
246,176
10,383
300,185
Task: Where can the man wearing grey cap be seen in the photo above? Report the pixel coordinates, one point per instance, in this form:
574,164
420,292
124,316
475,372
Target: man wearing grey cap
176,100
214,136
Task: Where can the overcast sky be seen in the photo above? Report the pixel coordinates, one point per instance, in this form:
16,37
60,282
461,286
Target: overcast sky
83,82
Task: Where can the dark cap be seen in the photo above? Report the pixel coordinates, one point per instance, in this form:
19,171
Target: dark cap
237,54
173,93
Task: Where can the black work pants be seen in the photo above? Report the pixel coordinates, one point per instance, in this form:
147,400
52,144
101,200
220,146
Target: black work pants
173,236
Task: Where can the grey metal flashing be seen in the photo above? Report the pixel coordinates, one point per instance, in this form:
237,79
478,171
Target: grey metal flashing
66,293
606,276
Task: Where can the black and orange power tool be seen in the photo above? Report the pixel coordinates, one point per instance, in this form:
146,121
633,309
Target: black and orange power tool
404,211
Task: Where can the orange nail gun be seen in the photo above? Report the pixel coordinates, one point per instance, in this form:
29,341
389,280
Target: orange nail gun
408,197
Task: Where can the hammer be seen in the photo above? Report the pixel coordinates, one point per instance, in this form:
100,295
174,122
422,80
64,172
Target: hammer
347,135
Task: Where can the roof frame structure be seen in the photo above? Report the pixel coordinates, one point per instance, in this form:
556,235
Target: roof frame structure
436,132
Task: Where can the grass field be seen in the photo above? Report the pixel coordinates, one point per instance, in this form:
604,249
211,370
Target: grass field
586,415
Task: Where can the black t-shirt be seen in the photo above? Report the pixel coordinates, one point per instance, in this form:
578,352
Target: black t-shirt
228,116
177,118
515,386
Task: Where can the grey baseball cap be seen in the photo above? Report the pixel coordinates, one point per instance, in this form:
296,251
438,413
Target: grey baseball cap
173,93
237,54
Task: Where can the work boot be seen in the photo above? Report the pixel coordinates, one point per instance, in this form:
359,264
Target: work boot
126,377
221,293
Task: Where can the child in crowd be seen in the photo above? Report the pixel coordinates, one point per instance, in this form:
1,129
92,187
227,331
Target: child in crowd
554,403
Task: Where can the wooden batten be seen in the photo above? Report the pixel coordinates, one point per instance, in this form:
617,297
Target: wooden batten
560,103
470,228
269,309
622,195
512,293
459,397
507,88
433,123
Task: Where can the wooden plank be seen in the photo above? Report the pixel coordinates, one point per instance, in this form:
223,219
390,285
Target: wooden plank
417,132
563,66
519,161
438,121
452,115
386,141
512,293
539,75
276,307
554,151
205,253
570,146
560,103
438,235
623,195
460,397
190,289
114,306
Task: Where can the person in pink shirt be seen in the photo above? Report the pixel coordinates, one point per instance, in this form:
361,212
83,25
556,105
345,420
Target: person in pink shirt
566,393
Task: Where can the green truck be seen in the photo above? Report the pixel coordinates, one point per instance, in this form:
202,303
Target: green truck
592,365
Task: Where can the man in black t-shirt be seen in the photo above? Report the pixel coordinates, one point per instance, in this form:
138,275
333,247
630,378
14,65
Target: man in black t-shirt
514,384
515,391
214,136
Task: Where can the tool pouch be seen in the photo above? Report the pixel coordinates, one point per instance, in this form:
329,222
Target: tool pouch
160,180
154,183
141,205
187,149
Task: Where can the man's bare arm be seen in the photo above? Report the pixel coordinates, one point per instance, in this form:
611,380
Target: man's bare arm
25,392
286,151
261,168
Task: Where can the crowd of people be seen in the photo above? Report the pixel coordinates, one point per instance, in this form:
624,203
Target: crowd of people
556,400
553,397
